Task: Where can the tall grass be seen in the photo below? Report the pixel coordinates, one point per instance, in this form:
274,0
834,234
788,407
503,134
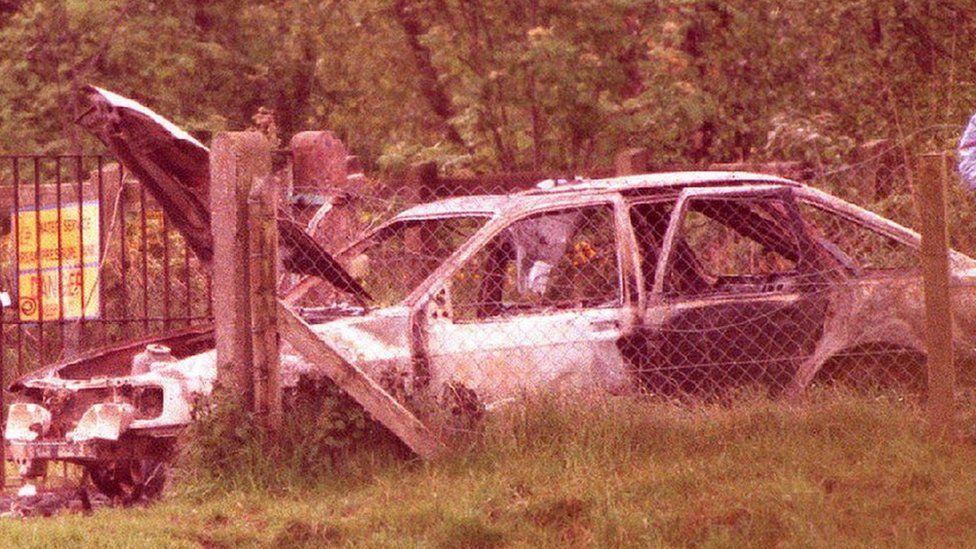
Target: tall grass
836,469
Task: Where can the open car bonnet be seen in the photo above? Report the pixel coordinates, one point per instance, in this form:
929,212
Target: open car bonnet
175,169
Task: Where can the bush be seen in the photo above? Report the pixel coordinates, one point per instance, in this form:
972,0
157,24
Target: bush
228,447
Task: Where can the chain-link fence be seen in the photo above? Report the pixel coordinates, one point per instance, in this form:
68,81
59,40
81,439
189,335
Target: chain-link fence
461,294
428,301
686,285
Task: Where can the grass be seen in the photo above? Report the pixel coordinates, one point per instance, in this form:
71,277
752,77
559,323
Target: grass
837,470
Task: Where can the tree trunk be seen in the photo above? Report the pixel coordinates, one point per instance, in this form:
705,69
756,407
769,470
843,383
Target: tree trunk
430,85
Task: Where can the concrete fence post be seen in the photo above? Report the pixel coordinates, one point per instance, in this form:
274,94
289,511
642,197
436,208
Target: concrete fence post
930,198
321,165
237,161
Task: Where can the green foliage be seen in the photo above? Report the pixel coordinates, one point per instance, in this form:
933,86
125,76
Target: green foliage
228,447
489,84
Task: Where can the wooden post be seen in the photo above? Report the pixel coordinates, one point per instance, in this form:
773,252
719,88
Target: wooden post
930,198
237,161
3,406
262,233
380,404
421,183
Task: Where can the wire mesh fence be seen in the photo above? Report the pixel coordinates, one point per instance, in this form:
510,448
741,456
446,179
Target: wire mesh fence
430,301
681,286
460,294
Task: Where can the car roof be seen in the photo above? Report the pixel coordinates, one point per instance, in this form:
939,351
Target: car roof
664,180
557,192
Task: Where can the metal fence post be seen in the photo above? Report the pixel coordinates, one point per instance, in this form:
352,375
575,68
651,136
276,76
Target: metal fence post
237,161
930,199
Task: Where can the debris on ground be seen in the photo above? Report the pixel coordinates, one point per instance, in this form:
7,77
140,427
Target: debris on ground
51,501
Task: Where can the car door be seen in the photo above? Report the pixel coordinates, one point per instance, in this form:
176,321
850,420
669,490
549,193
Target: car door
539,305
738,294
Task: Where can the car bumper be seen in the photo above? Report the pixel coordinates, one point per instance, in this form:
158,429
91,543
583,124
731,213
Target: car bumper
132,446
16,450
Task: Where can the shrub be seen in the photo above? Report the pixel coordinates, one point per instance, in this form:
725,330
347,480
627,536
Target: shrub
229,447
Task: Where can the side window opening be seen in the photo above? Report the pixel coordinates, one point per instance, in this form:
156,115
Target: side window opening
391,263
736,245
558,260
650,222
858,245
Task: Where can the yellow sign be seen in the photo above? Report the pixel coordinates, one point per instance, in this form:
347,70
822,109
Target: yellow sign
58,276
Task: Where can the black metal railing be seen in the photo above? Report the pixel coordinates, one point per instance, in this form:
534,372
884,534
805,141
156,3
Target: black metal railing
88,259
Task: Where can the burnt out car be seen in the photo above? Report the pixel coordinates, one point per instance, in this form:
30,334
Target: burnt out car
666,282
670,282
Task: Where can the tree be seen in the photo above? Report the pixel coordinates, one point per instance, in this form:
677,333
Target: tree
481,85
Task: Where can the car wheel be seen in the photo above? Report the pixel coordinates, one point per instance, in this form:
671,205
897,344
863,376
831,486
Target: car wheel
128,481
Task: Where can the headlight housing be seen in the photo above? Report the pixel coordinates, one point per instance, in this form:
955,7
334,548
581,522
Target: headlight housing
105,421
26,421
